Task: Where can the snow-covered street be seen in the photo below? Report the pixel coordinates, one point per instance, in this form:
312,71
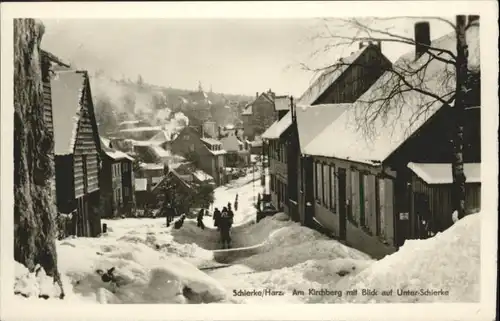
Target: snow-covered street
280,258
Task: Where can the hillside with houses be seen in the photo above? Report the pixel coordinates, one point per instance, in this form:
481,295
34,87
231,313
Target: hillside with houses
371,179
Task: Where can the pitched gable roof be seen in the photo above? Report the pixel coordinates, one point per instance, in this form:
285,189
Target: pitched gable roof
248,108
311,120
113,153
278,127
327,78
67,97
406,112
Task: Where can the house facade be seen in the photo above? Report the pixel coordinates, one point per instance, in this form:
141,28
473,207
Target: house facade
206,153
76,150
318,107
259,115
379,186
238,152
117,182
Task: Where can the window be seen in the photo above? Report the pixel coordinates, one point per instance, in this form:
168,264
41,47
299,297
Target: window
380,209
326,186
319,182
354,209
362,220
333,186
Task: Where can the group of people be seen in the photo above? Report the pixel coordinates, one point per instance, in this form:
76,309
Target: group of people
223,221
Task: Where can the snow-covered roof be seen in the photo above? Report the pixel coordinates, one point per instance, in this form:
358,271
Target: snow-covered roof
141,184
142,142
202,176
141,129
327,78
105,142
113,153
441,173
230,143
247,111
156,180
160,152
210,141
129,122
278,127
217,152
248,108
152,166
67,89
404,113
311,120
117,155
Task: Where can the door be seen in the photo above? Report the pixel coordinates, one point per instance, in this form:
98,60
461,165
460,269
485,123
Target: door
342,203
422,226
309,191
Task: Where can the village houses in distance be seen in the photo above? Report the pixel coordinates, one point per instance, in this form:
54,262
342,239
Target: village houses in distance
315,165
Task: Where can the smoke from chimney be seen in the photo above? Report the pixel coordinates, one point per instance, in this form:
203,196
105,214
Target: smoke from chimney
422,38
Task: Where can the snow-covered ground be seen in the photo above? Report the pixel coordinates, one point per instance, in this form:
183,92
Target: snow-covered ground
156,264
247,188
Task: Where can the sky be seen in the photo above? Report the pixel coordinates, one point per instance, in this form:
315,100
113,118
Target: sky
242,56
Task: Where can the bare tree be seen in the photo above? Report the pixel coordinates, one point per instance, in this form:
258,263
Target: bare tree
34,209
436,76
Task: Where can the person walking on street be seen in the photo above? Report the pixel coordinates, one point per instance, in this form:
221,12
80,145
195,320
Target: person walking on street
199,219
217,216
230,216
170,214
225,226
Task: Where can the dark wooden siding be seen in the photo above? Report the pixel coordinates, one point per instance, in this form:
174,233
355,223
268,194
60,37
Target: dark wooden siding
356,79
440,203
86,162
64,183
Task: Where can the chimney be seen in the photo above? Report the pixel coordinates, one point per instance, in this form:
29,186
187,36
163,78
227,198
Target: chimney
422,38
293,110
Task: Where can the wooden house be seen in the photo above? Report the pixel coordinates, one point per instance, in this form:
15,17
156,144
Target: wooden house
238,153
320,105
391,181
259,114
116,181
206,153
151,172
77,150
177,189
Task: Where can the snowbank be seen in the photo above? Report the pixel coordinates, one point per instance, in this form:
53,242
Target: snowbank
149,268
244,235
145,275
449,261
294,244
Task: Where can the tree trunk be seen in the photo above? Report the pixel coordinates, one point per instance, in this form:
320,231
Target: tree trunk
459,119
34,210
